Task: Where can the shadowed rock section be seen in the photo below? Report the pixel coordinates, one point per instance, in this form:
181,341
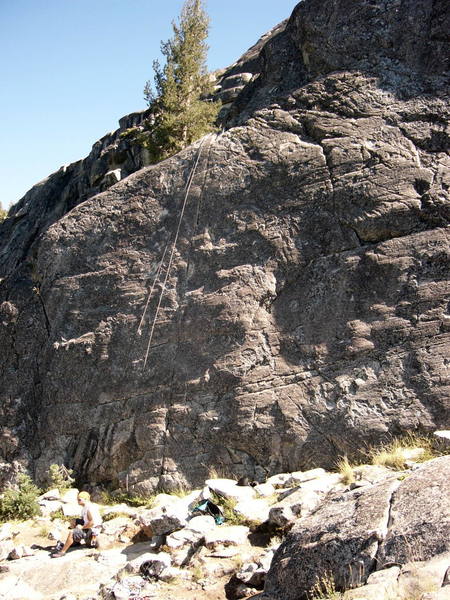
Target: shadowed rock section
305,313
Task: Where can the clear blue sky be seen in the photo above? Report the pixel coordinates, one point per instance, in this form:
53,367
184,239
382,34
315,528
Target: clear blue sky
69,69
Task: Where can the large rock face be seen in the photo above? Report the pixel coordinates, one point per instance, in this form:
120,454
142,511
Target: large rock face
300,288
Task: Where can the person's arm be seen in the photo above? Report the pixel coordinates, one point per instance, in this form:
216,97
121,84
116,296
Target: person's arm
90,521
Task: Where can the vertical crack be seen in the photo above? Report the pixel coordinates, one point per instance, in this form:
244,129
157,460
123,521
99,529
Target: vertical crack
383,533
37,291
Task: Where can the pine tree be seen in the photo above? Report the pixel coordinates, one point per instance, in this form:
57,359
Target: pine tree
3,213
180,110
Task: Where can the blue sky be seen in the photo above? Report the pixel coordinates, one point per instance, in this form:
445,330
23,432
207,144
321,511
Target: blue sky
69,69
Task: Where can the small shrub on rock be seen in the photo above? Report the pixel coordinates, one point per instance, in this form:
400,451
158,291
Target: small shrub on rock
58,514
20,503
59,477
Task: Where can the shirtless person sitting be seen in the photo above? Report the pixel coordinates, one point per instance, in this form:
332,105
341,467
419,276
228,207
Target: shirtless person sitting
88,526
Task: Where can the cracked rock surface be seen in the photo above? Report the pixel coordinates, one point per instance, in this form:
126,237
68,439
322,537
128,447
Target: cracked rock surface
357,533
305,310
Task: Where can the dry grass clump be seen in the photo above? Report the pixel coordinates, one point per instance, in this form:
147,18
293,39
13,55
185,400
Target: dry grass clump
346,471
399,451
325,589
395,454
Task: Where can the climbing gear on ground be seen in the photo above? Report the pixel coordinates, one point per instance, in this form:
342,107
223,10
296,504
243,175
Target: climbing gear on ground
209,508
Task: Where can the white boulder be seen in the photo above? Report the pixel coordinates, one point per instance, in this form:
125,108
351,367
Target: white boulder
231,535
229,489
253,510
264,490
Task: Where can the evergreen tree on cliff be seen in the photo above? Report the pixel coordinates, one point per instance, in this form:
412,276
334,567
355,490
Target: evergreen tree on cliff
180,110
3,213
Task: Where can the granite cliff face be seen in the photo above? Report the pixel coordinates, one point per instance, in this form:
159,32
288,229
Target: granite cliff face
299,263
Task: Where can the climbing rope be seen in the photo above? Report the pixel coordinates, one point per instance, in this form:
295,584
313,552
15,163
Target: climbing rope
169,266
158,272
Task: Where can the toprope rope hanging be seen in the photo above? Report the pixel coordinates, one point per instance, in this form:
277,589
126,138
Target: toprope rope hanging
158,271
174,244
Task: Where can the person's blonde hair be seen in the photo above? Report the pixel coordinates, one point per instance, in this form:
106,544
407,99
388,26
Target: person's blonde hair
84,496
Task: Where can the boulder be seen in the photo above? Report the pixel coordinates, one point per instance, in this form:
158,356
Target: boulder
302,500
171,573
191,535
53,494
122,509
341,538
299,477
256,510
40,576
164,519
419,577
117,526
182,537
419,515
118,591
354,533
155,564
381,584
264,490
226,535
229,489
251,574
202,523
47,507
254,573
442,440
181,556
279,480
161,560
244,591
70,497
71,510
170,513
56,534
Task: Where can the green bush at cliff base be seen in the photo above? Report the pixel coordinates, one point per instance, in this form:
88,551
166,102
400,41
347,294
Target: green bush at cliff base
20,503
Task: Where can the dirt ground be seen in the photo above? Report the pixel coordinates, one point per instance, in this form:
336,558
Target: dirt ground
212,576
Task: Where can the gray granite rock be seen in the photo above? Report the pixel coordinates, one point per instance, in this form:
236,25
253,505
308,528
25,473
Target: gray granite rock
303,499
306,306
164,520
419,515
354,534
